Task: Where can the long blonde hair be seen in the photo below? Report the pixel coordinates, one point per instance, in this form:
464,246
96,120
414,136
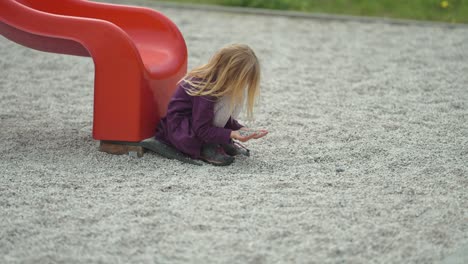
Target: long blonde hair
232,71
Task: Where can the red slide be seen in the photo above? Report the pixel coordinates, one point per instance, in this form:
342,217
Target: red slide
139,55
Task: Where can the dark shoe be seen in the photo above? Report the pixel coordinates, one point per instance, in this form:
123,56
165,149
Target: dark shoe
235,149
167,151
215,155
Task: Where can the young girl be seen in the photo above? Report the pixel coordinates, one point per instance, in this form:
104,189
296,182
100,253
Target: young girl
200,119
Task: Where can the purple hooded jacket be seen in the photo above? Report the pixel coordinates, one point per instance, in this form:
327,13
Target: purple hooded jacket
188,123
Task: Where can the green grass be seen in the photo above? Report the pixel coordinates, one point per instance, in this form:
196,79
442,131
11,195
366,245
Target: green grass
455,12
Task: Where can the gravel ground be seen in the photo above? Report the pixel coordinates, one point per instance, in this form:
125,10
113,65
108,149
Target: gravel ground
366,160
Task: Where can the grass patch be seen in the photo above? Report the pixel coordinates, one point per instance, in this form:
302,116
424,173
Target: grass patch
452,11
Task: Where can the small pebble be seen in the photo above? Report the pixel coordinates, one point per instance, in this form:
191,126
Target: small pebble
339,169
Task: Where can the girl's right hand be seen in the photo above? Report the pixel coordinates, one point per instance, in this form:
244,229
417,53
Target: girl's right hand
259,133
242,136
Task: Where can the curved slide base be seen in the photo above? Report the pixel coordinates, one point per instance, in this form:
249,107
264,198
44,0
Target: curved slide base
139,56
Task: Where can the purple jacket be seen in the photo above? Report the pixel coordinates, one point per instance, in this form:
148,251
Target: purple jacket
188,123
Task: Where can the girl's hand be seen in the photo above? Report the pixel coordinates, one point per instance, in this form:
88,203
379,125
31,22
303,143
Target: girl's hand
260,133
243,135
251,133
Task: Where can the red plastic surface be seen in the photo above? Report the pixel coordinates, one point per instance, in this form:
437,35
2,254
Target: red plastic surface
139,55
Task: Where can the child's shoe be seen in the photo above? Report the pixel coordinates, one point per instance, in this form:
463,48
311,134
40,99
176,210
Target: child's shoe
235,148
167,151
215,155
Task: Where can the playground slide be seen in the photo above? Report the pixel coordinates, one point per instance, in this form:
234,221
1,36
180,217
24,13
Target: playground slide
138,53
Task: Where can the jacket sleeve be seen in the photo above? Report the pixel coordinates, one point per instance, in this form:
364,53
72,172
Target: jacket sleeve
233,124
202,122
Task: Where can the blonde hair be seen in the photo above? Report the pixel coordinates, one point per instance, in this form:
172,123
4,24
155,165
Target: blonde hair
232,71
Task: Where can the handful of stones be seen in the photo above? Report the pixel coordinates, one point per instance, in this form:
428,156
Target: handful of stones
248,133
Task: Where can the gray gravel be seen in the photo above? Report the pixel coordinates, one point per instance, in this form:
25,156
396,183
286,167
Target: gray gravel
366,160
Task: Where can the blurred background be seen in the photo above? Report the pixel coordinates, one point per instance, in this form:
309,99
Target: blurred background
452,11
